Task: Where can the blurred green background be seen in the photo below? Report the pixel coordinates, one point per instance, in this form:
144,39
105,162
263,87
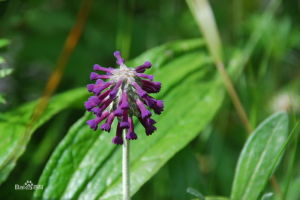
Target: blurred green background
37,30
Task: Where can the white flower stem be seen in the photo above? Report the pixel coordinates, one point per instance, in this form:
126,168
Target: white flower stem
125,168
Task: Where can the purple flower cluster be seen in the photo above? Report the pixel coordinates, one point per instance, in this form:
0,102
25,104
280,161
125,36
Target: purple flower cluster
123,93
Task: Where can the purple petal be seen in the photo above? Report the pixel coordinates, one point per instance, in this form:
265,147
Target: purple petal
104,94
156,105
118,112
95,76
119,58
139,90
142,68
151,121
150,130
118,138
114,91
148,124
100,68
98,88
97,111
124,123
151,86
144,112
131,135
92,102
104,115
124,101
107,125
90,87
93,123
105,104
150,77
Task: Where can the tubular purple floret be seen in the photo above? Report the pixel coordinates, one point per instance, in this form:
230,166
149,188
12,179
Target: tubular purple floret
150,86
146,76
90,87
104,115
120,60
93,123
100,68
97,111
148,125
156,105
105,104
95,76
143,110
118,112
92,102
107,125
124,122
124,101
114,91
104,94
142,68
131,135
118,138
98,88
142,93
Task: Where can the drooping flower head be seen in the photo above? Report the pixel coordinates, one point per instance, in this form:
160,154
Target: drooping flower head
122,94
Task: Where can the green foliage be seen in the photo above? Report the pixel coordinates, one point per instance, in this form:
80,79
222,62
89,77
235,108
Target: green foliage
15,130
260,50
4,42
215,198
5,72
195,193
2,100
97,162
259,157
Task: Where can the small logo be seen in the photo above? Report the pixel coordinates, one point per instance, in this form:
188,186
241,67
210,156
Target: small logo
28,185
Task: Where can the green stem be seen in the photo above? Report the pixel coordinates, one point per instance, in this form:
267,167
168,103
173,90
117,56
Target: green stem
125,168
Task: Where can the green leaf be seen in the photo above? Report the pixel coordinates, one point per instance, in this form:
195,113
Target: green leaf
4,42
195,193
2,60
267,196
259,157
86,165
216,198
294,192
5,72
2,100
13,126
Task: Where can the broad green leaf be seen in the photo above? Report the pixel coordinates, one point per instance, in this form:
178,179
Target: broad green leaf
86,165
13,124
5,72
294,192
258,158
13,127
